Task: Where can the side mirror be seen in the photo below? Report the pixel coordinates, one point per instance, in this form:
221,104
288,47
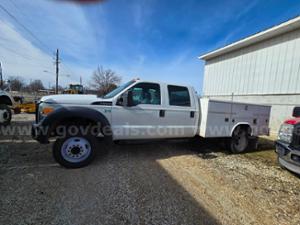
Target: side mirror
122,100
296,112
126,99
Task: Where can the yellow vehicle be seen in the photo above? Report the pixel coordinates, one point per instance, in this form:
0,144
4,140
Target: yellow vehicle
74,89
21,106
27,107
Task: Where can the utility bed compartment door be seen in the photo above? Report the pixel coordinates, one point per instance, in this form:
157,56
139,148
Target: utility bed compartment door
219,118
215,118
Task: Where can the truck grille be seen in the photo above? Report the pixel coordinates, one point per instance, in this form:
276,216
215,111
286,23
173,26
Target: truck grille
296,137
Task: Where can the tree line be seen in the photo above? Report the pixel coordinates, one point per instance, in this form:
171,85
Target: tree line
102,82
17,83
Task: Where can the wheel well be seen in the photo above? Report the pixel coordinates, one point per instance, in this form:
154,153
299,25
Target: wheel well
5,100
245,127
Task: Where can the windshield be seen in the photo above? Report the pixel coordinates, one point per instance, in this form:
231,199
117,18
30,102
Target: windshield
118,89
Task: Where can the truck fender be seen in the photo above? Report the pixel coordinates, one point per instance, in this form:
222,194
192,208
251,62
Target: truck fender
66,113
241,124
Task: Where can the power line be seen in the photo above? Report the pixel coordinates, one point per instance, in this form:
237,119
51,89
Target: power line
17,7
29,31
26,57
63,64
15,52
23,26
67,67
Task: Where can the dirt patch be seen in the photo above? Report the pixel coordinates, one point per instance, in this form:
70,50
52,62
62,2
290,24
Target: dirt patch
265,152
167,182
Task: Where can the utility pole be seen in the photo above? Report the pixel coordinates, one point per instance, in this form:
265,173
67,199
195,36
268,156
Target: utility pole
80,80
57,70
1,78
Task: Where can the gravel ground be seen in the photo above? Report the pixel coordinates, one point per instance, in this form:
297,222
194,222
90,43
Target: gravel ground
167,182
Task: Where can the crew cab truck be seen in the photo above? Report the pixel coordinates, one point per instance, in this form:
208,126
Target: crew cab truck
6,102
142,110
288,143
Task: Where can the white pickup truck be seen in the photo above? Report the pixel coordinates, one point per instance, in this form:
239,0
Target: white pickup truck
141,110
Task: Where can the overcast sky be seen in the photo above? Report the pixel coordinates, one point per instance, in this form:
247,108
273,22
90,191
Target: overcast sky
150,39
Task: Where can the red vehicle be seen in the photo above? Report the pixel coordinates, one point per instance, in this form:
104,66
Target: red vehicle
288,143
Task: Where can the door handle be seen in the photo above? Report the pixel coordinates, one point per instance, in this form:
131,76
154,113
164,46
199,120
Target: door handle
192,114
161,113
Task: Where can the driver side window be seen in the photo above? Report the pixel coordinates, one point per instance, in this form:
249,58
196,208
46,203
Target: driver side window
146,93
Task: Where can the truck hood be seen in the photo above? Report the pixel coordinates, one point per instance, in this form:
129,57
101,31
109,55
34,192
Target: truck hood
73,99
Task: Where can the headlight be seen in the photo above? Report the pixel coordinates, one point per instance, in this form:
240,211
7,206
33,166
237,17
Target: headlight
286,133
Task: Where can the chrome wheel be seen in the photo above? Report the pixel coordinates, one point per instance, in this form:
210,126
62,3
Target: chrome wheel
76,149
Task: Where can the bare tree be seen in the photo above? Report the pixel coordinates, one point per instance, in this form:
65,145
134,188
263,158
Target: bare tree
16,83
35,86
104,81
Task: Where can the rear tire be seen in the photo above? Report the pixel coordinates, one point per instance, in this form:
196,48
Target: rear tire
5,115
239,141
75,151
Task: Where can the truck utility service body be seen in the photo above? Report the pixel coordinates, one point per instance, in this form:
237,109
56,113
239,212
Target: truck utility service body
153,110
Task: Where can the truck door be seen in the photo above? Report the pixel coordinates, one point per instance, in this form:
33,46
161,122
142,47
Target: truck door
181,114
142,120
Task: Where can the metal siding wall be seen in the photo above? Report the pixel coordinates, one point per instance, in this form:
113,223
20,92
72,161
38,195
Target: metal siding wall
288,61
268,72
296,66
254,73
269,67
205,79
261,68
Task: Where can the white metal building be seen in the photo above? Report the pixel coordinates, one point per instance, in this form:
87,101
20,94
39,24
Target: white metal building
263,68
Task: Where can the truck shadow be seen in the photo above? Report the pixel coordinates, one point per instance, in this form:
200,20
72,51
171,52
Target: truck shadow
210,145
127,186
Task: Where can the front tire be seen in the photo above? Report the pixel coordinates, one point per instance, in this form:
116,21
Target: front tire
5,115
75,151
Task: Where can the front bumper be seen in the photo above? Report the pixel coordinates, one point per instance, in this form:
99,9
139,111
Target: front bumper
39,133
288,157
